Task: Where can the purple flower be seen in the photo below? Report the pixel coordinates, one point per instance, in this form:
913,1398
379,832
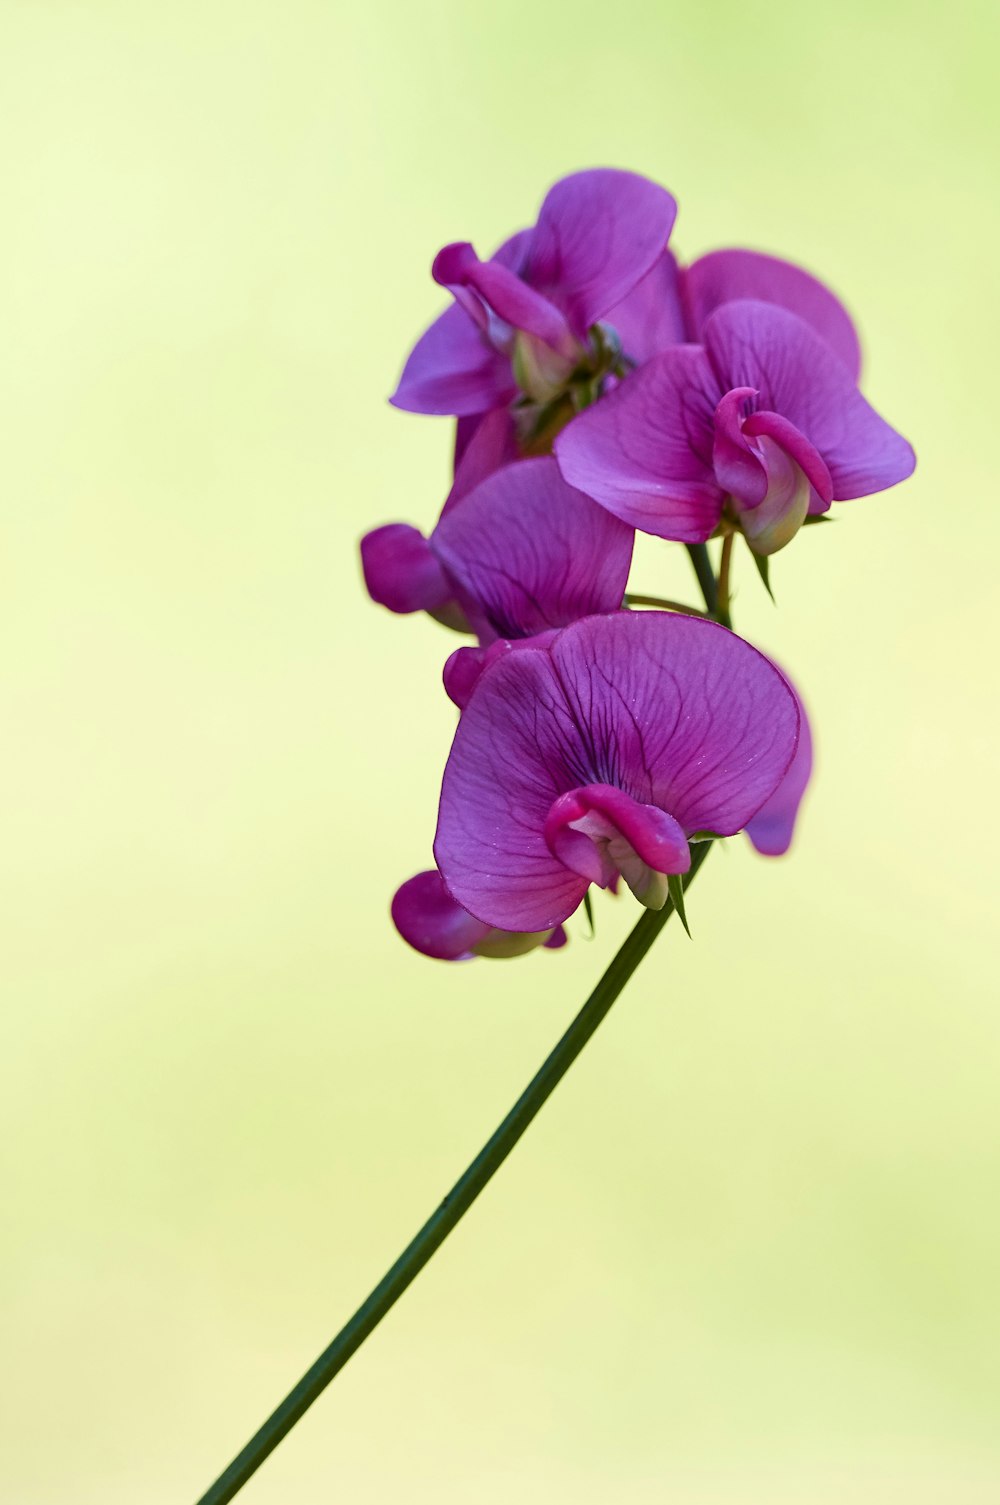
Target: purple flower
726,276
431,921
521,553
604,752
522,321
762,423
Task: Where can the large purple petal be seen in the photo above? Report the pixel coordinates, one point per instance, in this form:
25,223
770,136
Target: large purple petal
650,319
454,369
772,828
534,552
675,712
598,234
796,374
507,765
724,276
645,451
680,714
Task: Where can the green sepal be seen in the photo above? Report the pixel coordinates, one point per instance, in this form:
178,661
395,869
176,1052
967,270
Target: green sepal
818,517
763,563
675,888
588,909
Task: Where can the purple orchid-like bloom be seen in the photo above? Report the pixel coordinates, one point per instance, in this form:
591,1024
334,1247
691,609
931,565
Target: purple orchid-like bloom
603,752
518,555
432,922
523,321
761,423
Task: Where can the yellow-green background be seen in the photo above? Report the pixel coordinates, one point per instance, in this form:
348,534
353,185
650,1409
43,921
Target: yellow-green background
751,1251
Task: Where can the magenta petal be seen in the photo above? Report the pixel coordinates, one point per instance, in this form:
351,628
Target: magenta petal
724,276
486,446
464,668
650,318
759,345
401,570
598,234
534,552
739,467
675,712
688,716
454,369
772,827
430,920
645,451
599,831
796,446
503,294
502,775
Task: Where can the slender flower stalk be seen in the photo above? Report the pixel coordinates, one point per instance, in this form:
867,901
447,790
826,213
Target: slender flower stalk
663,604
455,1205
722,607
706,576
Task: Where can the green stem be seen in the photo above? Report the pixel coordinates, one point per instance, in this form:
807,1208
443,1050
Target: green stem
706,576
663,603
722,607
458,1201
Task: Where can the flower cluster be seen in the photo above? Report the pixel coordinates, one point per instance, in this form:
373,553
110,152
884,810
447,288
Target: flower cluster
600,387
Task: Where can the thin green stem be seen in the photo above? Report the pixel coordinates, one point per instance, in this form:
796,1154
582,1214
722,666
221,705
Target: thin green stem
722,606
455,1205
706,576
663,603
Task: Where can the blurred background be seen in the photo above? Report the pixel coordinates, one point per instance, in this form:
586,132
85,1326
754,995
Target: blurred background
750,1252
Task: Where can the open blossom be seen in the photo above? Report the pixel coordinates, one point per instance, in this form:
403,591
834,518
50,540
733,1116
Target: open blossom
762,421
521,553
431,921
603,752
522,322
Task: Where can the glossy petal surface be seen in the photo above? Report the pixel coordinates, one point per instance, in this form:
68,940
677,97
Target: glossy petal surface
534,552
724,276
645,451
402,571
796,375
675,712
598,234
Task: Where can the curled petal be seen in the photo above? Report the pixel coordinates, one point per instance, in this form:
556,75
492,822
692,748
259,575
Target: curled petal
600,832
738,464
645,451
430,921
598,234
796,375
464,668
401,570
725,276
486,288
